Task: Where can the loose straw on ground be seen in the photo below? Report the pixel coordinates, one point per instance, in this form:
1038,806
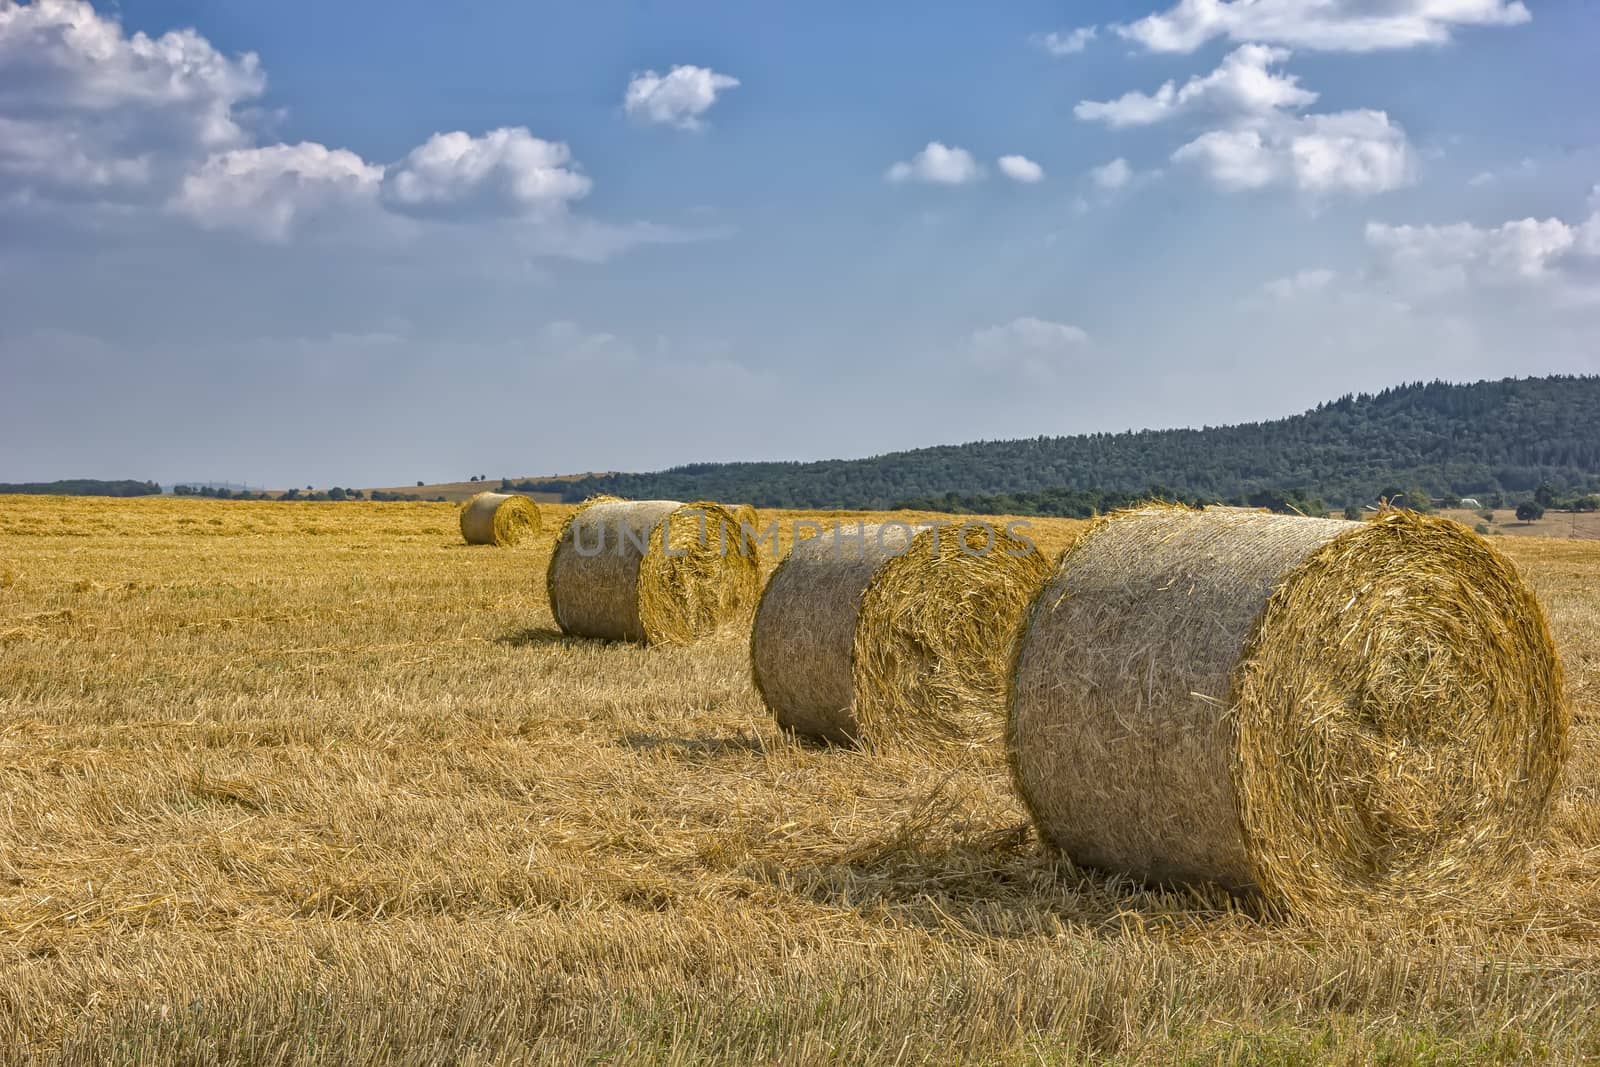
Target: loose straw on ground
498,519
894,635
651,570
1328,713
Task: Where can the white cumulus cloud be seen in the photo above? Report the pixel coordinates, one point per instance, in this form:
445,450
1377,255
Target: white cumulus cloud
1111,176
1491,274
678,98
503,172
266,191
87,109
95,120
1066,44
1321,25
1242,83
1437,259
1359,153
1020,169
937,164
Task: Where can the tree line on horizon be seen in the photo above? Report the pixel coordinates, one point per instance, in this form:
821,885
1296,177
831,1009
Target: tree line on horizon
1431,441
83,487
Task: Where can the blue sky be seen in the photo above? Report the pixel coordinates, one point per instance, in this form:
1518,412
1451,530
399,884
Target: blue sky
365,244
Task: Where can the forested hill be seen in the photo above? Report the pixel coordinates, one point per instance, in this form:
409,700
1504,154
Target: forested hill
83,487
1508,436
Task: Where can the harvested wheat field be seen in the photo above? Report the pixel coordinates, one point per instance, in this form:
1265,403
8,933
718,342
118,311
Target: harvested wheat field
317,783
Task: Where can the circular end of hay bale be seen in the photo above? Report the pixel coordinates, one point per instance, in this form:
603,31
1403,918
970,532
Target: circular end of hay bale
699,576
498,519
1399,719
933,640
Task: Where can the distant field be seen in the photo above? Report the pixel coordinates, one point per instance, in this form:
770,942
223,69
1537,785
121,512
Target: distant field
318,783
1554,524
458,491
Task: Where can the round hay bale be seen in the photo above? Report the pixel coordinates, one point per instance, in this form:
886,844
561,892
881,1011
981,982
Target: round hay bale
498,519
893,634
1327,713
658,571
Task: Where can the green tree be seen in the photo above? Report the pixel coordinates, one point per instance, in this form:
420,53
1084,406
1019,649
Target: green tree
1530,511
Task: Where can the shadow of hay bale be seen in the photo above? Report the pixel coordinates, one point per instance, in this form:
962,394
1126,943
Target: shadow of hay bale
537,636
696,749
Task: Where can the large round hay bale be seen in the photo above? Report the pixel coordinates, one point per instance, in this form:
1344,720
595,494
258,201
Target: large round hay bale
650,570
498,519
892,634
1329,713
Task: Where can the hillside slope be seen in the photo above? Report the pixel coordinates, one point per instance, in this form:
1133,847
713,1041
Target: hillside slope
1508,435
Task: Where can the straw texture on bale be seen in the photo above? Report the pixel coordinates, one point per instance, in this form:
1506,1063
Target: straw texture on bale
1327,713
658,571
739,598
745,515
893,635
498,519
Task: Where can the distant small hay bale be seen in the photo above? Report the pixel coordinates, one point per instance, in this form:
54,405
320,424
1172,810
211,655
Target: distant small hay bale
612,575
498,519
894,635
1329,713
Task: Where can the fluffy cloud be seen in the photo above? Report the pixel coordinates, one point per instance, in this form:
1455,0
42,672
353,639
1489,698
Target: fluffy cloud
1355,152
1241,84
677,98
97,119
1037,350
1323,25
268,190
1066,44
937,164
1470,272
504,172
86,110
1020,169
1434,260
1111,176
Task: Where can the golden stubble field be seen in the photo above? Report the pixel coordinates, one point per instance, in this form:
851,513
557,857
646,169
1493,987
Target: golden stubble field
316,783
